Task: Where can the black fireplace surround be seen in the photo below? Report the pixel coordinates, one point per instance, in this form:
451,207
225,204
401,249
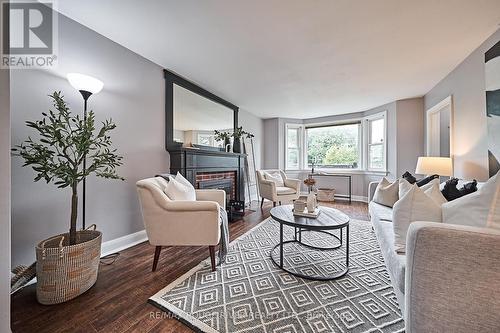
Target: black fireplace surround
191,161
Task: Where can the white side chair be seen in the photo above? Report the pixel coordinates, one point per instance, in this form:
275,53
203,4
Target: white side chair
268,189
180,223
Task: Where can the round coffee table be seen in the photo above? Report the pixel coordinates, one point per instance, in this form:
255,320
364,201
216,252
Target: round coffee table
328,220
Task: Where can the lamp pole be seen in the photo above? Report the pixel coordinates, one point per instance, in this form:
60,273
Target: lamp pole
85,95
87,86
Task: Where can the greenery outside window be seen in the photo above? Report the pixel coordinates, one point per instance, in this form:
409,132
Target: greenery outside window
334,146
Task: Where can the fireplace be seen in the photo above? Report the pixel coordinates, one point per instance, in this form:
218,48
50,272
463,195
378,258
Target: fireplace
211,169
225,184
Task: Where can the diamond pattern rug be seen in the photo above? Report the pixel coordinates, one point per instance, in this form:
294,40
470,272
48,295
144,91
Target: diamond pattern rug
250,294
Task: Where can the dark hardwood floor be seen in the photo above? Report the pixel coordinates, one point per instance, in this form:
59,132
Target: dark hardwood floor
118,300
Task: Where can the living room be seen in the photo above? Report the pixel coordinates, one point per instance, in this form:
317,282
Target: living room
256,165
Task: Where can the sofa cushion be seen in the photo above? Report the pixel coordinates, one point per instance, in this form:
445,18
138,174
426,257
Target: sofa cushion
435,194
395,262
379,212
386,193
282,190
478,209
415,205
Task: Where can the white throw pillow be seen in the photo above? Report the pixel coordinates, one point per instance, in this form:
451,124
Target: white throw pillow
404,187
177,189
275,177
415,205
427,186
435,194
180,178
478,209
386,193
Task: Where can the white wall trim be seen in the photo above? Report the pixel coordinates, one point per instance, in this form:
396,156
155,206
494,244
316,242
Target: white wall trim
122,243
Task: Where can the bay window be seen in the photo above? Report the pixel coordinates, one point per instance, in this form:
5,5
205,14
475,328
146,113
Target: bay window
359,144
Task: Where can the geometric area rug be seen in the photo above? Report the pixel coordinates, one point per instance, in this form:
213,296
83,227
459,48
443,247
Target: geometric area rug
248,293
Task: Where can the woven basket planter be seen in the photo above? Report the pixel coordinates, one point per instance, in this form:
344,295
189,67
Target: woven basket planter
65,272
326,194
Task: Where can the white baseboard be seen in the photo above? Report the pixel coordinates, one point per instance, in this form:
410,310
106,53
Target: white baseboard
122,243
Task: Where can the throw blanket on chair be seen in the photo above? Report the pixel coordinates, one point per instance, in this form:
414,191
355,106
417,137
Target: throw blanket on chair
224,236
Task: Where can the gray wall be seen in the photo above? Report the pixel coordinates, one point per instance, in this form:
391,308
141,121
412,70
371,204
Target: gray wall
4,201
133,96
410,134
466,84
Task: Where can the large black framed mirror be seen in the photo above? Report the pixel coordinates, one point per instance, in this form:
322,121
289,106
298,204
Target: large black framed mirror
192,113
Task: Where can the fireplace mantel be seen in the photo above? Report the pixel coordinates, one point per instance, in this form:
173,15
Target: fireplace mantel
190,161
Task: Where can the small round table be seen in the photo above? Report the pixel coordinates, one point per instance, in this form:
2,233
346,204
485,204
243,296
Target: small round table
328,220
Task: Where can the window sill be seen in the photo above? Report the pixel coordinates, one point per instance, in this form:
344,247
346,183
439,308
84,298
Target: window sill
341,171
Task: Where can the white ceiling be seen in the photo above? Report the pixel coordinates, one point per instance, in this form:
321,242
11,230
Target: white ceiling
298,58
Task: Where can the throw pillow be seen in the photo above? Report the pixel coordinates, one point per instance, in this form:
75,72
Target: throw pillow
415,205
479,209
386,193
178,190
468,188
450,191
180,178
425,180
275,177
409,177
430,184
435,194
404,187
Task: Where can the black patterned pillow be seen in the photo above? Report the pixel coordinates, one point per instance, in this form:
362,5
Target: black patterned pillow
426,180
409,177
451,192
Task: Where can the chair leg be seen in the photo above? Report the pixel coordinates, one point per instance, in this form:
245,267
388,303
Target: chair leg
211,248
274,203
157,256
262,203
280,203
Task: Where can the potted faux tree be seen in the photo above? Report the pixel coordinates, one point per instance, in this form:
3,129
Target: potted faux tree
67,264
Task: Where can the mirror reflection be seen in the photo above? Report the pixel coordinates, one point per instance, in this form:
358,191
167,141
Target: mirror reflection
196,118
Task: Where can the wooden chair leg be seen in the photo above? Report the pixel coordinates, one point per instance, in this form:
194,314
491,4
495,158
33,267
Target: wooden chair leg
157,256
262,203
274,203
211,248
280,203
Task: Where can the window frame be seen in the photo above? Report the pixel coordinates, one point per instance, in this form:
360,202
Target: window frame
363,140
354,121
367,144
300,145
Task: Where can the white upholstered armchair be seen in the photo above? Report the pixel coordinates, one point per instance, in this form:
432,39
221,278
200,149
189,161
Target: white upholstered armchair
275,186
186,223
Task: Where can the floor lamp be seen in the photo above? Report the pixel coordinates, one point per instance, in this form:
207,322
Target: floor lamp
87,86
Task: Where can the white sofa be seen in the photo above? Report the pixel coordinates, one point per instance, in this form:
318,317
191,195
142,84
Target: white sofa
449,279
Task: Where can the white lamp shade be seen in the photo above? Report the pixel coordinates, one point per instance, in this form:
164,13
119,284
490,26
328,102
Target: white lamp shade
441,166
85,82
